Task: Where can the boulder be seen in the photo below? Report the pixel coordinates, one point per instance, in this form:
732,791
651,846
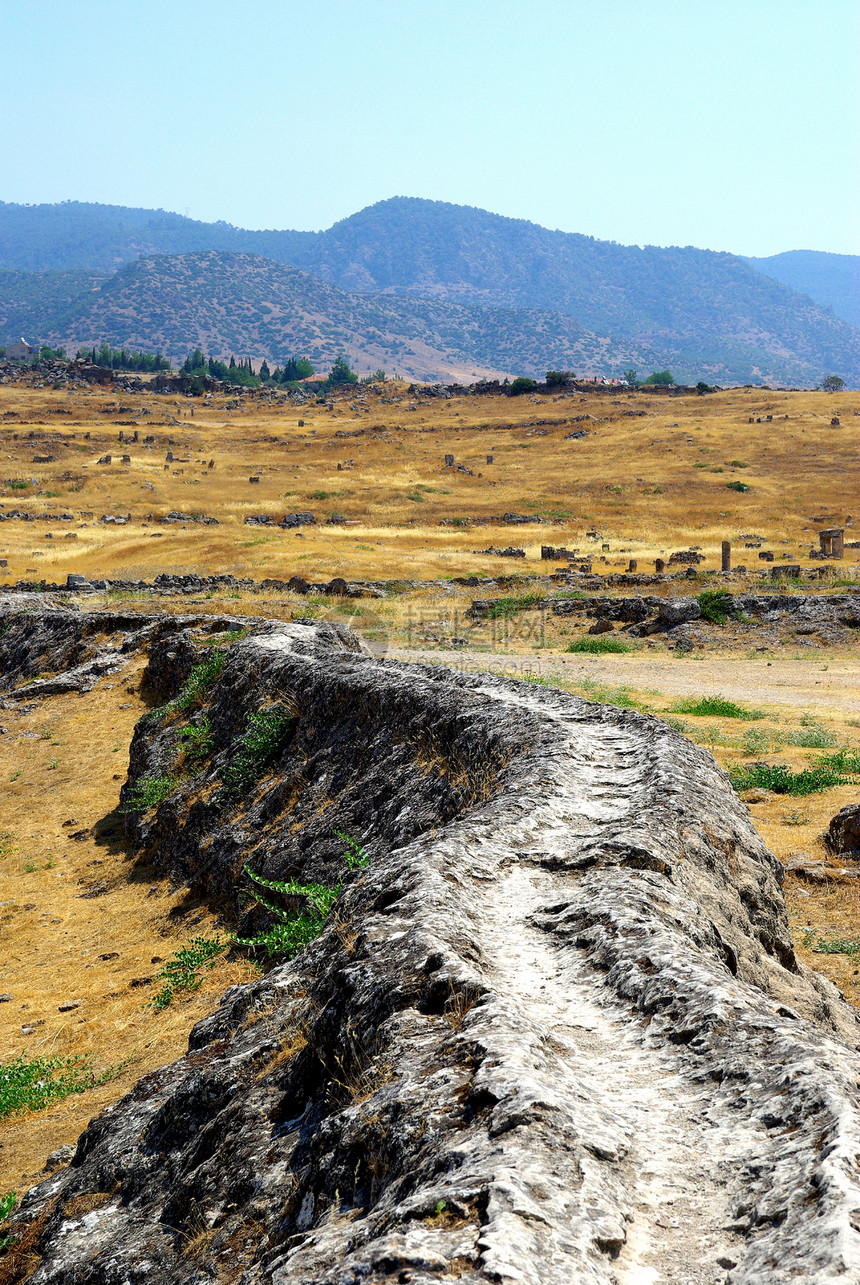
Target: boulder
677,611
843,833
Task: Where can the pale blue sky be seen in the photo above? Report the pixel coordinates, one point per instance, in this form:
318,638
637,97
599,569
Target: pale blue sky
730,124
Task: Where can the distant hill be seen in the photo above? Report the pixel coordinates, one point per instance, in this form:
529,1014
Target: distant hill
245,304
832,280
78,234
568,299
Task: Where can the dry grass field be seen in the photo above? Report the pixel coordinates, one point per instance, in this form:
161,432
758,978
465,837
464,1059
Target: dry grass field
81,923
651,475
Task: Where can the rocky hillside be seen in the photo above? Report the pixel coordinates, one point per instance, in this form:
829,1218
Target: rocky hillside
244,304
704,314
554,1030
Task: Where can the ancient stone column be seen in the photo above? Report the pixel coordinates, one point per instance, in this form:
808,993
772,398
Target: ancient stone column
727,555
449,461
489,459
659,566
633,565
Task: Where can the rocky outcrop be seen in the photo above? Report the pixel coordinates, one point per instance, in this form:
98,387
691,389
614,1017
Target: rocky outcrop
843,833
554,1032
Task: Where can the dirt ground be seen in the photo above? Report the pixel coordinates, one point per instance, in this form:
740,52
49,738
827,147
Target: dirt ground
647,474
82,924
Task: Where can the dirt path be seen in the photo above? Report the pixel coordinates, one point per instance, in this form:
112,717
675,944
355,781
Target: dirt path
821,682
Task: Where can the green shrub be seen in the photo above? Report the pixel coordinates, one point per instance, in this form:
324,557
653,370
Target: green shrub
716,605
599,645
261,744
7,1204
815,737
149,791
737,486
182,970
522,384
31,1083
199,740
782,780
843,760
302,920
715,707
504,608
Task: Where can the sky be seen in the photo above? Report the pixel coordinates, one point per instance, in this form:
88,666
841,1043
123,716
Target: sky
726,124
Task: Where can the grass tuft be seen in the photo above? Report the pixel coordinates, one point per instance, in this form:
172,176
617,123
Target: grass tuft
715,707
599,645
32,1083
782,780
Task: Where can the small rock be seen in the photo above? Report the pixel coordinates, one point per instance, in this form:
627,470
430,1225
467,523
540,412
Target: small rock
5,999
68,1006
757,795
62,1156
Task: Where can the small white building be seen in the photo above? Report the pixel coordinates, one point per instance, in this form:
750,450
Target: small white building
22,351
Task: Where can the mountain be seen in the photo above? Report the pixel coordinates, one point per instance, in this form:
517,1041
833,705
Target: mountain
704,314
245,304
832,280
101,238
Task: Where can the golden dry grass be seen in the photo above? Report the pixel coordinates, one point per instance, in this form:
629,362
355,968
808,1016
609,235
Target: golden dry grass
67,759
64,762
635,479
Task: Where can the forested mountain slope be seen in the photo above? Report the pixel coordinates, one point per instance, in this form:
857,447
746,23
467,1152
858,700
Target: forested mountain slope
245,304
832,280
706,315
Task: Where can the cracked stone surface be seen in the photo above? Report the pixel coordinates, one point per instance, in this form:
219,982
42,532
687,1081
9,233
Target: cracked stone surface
554,1032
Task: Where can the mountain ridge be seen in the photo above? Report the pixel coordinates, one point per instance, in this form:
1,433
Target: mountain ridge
519,298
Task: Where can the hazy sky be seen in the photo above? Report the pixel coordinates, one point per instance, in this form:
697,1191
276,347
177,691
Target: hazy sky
729,124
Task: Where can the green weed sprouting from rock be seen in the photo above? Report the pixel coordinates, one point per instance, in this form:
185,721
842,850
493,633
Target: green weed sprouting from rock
7,1204
199,681
198,740
260,745
295,927
354,854
715,605
302,920
30,1083
149,791
201,678
182,970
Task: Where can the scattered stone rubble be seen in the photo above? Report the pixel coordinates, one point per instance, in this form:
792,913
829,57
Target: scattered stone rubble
554,1032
